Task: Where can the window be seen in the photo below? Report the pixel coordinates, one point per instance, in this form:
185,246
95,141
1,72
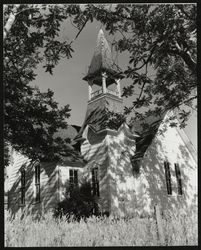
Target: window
95,182
37,183
73,178
178,176
22,186
168,177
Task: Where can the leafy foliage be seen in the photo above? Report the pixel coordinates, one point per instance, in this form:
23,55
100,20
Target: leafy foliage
79,203
32,117
160,39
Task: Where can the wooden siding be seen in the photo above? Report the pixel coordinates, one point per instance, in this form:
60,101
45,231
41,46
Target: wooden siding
121,179
95,153
49,195
105,152
64,178
151,184
123,191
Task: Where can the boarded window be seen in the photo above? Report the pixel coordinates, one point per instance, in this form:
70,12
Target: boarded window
168,177
178,176
37,183
22,200
95,182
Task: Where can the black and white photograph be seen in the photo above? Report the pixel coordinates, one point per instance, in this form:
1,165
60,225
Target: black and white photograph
100,124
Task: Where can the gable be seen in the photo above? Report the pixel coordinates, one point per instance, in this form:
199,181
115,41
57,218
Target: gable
160,125
173,141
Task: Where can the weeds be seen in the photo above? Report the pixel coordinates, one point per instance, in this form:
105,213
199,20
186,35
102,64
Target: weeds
179,229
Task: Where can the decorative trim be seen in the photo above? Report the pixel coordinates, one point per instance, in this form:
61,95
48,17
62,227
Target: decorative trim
124,127
106,95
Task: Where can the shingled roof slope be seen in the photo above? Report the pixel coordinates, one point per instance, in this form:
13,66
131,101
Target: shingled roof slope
98,115
102,59
71,132
146,134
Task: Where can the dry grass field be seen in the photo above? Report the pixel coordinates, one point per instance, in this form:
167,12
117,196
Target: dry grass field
179,229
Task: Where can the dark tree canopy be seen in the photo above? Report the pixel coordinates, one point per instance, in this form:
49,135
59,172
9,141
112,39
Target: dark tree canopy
160,38
31,117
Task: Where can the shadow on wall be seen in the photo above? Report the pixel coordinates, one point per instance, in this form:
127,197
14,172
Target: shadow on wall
98,157
120,174
48,190
155,187
148,187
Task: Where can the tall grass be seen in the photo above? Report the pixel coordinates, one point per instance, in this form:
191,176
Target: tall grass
179,229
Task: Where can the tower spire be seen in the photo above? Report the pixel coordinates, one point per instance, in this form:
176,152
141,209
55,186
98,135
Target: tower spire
103,79
102,60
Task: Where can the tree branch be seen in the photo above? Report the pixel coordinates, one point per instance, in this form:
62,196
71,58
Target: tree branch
186,56
142,89
148,59
181,8
14,13
10,20
80,31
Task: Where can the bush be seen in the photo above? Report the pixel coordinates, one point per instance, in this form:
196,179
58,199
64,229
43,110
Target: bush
78,203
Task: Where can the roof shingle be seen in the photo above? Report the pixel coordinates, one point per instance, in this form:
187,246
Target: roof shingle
102,59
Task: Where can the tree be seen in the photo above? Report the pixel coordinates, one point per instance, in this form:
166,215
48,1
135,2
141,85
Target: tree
160,39
31,36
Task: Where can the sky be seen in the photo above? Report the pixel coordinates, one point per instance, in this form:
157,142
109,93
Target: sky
67,83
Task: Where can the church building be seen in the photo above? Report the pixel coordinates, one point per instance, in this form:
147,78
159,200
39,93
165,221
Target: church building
130,170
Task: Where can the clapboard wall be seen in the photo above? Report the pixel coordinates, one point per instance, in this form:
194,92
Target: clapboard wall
49,193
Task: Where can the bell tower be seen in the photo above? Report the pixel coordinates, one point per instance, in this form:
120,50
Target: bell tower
106,148
102,71
104,90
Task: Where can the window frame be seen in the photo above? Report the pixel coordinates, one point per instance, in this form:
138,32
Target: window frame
95,181
168,177
73,179
23,186
178,177
37,183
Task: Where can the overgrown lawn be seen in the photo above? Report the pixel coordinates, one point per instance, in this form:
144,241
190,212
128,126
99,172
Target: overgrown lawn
179,229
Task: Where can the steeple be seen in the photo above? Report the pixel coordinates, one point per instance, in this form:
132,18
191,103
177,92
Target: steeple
103,72
103,80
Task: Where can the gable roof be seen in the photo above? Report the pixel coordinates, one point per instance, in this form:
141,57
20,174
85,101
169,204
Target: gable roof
148,134
70,132
146,129
102,59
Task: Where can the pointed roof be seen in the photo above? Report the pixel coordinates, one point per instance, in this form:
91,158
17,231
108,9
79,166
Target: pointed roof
148,134
102,59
